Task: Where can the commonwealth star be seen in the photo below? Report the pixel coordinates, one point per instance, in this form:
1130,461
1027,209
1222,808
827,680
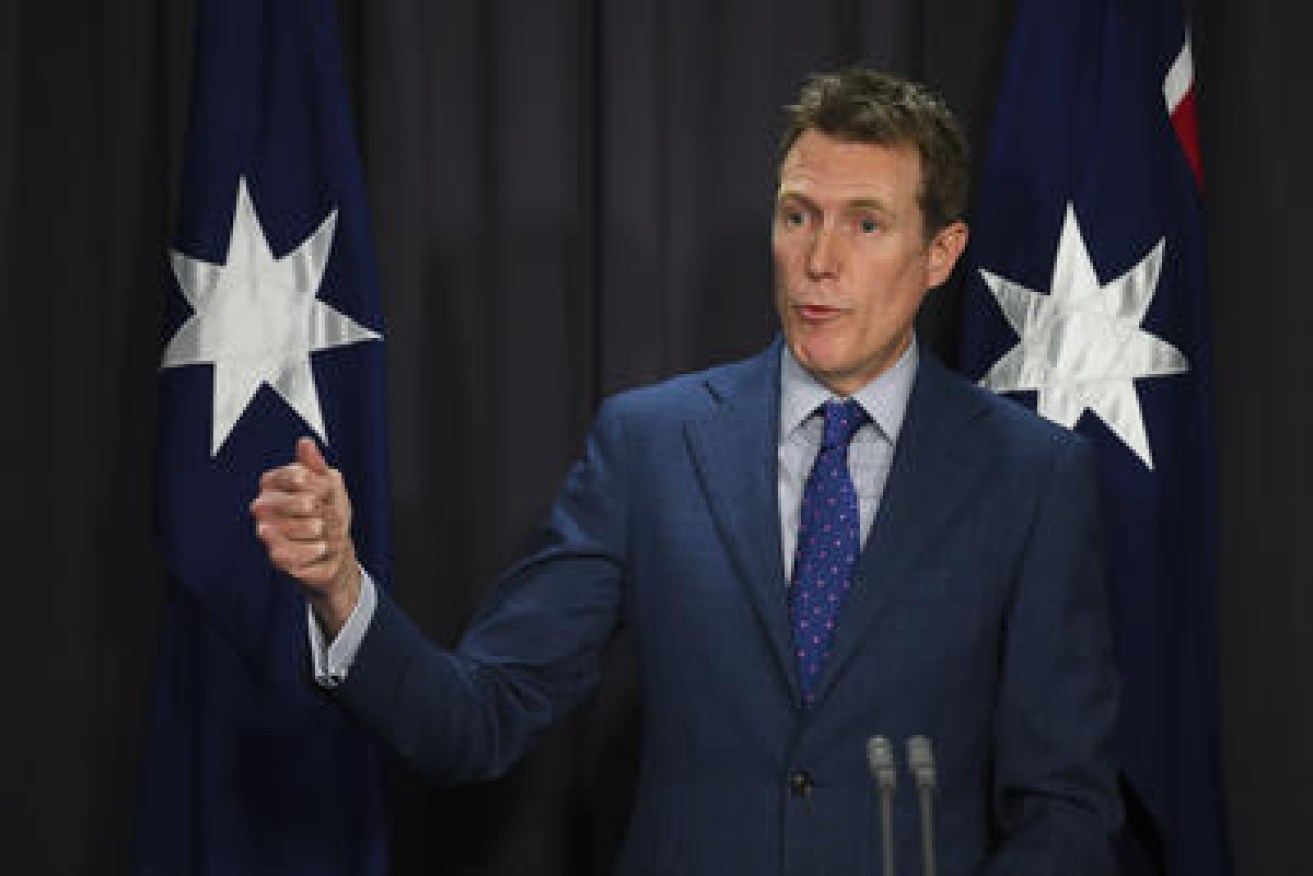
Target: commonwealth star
256,318
1081,346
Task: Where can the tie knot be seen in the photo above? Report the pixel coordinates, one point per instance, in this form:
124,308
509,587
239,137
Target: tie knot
842,420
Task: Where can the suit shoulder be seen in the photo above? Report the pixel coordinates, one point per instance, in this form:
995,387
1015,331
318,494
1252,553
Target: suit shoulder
692,393
1008,422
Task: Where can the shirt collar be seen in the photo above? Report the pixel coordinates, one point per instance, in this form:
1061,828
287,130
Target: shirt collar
884,399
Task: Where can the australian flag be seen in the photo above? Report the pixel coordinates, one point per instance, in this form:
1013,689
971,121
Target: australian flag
272,331
1085,298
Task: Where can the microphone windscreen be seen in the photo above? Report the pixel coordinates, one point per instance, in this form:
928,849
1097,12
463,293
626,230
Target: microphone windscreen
880,759
921,760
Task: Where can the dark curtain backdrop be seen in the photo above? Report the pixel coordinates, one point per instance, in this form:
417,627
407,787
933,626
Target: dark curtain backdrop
569,197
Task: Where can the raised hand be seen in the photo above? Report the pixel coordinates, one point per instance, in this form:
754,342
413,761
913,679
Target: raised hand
303,516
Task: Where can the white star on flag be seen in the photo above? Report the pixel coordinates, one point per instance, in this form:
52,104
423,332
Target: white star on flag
1081,346
256,319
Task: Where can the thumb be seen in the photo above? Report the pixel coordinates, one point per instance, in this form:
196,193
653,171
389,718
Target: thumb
307,453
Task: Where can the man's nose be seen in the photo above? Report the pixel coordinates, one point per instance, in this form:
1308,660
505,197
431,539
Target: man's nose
823,257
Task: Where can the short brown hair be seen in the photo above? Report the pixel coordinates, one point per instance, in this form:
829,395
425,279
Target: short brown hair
866,106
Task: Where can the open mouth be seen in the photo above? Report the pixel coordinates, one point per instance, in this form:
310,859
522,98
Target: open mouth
817,312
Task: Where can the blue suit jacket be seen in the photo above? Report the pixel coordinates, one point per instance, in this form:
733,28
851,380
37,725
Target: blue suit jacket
976,617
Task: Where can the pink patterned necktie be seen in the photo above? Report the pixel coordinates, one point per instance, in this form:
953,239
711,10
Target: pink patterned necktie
829,540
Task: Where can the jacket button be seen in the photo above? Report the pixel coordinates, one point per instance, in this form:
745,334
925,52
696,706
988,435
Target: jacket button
800,784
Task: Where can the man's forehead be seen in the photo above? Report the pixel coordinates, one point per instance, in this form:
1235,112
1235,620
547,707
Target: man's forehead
848,170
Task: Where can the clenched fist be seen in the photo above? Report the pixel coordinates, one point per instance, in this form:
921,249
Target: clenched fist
303,516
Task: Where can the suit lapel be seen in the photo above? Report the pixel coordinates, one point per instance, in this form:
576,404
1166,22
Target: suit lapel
931,476
735,452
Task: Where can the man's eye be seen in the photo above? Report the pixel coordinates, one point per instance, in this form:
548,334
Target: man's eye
867,225
795,218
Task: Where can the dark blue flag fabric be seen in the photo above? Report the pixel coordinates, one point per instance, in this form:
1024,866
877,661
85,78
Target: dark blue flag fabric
1085,298
272,331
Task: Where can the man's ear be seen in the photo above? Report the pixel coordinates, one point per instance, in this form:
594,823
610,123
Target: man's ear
944,251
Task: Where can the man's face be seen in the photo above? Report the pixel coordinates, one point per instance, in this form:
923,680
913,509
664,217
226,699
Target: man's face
852,263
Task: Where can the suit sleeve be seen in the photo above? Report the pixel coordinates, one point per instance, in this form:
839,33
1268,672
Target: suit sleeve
532,652
1055,794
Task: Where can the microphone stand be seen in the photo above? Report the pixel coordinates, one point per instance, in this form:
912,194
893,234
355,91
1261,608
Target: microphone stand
921,761
880,759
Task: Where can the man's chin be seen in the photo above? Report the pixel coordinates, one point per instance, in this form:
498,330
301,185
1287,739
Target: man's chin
818,353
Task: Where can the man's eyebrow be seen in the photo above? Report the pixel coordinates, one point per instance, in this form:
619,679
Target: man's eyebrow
793,195
875,205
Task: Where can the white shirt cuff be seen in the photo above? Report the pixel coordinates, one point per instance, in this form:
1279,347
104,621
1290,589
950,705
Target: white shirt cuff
333,661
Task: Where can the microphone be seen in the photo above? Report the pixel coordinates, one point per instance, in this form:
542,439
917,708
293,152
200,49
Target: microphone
880,758
921,761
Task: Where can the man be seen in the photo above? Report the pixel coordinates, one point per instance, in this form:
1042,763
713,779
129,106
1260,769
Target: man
832,540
